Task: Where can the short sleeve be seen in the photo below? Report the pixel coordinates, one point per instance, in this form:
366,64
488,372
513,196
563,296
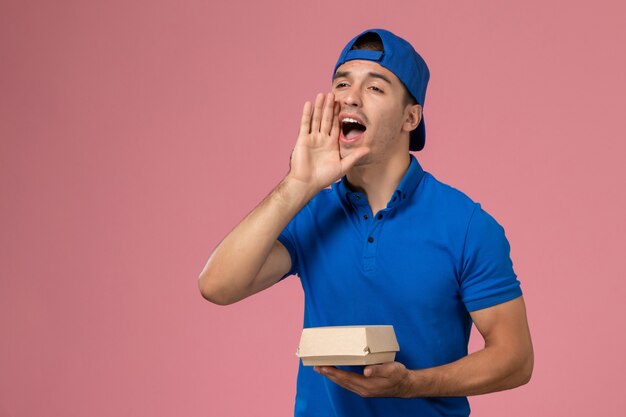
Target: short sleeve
287,238
487,276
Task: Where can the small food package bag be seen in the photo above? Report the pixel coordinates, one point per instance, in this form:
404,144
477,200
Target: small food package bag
347,345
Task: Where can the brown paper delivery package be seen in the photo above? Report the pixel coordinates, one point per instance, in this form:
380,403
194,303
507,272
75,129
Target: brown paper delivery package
347,345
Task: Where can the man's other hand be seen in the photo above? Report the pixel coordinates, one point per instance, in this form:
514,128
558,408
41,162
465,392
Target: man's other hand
315,160
390,379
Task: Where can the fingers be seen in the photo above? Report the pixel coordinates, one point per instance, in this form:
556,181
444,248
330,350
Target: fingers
334,131
329,114
350,380
383,380
357,383
305,123
323,116
317,113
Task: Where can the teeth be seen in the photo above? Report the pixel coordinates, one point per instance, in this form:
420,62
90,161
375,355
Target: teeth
350,120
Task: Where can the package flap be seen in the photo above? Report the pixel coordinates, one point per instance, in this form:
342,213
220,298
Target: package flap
347,341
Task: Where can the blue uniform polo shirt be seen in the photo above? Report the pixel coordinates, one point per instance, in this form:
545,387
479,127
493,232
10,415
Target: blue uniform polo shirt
421,264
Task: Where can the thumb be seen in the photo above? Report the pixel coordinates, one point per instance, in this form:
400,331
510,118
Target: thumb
371,370
350,160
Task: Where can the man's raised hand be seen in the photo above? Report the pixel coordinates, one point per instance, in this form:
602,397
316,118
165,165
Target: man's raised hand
316,160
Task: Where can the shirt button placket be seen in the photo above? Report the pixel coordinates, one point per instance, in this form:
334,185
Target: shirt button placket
369,258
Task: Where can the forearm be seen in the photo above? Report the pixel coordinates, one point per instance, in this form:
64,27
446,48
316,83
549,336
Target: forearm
493,368
236,261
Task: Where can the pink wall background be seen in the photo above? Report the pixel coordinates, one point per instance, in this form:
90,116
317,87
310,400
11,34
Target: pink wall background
135,134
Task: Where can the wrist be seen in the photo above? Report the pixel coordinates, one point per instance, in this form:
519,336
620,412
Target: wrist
411,386
301,190
420,383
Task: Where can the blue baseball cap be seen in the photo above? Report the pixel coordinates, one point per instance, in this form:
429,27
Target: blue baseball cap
399,57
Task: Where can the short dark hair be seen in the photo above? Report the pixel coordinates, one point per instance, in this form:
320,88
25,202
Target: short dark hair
372,42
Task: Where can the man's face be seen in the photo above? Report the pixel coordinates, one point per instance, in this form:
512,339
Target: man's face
374,97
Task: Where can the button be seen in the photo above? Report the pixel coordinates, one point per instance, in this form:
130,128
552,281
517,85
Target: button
358,197
370,239
380,216
365,217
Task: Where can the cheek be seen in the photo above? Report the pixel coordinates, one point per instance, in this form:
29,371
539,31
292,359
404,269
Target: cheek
388,123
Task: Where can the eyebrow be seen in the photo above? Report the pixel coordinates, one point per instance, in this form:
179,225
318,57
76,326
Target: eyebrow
341,74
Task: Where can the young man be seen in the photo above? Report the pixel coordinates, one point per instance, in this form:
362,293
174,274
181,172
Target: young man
387,243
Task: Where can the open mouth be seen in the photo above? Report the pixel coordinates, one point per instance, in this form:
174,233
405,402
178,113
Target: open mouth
351,129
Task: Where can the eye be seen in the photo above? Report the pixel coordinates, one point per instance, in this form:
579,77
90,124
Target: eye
378,90
341,84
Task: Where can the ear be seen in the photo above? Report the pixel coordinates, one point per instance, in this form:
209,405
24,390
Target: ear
413,116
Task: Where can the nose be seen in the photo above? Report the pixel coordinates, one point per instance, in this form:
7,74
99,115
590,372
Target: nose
349,96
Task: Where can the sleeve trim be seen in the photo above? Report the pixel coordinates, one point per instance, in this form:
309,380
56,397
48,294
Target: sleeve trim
494,299
292,254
